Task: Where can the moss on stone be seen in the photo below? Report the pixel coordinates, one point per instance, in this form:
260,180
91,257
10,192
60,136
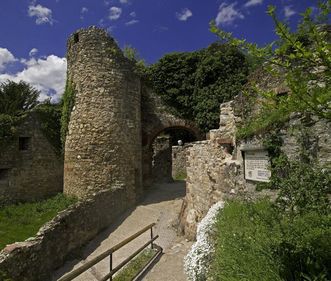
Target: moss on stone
68,101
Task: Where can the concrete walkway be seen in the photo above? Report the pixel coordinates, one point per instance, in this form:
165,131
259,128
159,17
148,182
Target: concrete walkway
161,205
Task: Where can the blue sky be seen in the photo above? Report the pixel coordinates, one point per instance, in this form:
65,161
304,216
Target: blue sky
33,33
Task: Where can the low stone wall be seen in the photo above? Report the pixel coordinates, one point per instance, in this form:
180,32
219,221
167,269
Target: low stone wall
37,257
179,160
211,177
161,161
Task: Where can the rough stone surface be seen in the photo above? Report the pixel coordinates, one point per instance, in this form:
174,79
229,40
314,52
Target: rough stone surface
38,256
215,167
155,119
162,160
114,121
103,144
179,160
31,172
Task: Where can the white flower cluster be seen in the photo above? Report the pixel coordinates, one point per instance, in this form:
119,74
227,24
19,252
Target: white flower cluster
198,259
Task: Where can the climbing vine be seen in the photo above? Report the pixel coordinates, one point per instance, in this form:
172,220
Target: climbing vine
68,101
49,116
8,128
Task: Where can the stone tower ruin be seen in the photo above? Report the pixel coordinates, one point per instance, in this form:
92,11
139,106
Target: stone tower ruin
103,144
114,119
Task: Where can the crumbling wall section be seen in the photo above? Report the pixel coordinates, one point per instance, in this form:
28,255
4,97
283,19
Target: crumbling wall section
216,167
162,160
30,167
37,257
179,161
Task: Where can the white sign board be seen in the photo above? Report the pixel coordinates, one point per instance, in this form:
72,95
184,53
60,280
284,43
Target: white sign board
256,165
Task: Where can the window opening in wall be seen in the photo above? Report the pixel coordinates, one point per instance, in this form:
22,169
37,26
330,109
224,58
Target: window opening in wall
76,38
4,174
24,143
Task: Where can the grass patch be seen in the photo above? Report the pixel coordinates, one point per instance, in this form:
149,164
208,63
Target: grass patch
133,267
256,242
19,222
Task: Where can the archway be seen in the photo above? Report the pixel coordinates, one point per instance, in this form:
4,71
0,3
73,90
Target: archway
157,152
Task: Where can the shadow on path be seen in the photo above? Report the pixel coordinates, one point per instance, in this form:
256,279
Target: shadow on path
161,204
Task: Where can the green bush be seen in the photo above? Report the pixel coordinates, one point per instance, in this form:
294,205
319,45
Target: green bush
257,242
303,186
193,85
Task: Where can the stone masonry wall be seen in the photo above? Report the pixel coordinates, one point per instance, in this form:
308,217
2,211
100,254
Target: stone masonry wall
179,160
215,167
37,257
162,161
30,169
103,144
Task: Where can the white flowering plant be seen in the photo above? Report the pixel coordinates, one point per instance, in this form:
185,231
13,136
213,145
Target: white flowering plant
199,258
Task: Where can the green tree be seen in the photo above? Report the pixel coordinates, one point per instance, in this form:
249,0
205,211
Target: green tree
301,58
194,84
17,98
133,55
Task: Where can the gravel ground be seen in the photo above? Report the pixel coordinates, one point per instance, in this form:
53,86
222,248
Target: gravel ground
161,205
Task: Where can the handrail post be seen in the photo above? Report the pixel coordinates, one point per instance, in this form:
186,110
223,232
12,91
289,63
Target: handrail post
152,246
111,266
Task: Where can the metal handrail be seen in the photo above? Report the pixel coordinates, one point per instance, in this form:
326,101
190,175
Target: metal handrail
73,274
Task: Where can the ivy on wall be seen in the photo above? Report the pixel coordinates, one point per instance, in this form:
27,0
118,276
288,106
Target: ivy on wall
68,101
49,116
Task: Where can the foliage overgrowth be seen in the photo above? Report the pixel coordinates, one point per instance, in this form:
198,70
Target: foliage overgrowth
302,58
68,101
50,118
17,100
194,84
257,242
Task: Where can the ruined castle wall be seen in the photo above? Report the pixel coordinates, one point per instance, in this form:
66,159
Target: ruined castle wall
162,160
36,258
216,170
179,160
30,168
156,118
103,144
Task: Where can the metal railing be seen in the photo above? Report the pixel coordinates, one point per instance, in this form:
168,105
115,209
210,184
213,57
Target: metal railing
75,273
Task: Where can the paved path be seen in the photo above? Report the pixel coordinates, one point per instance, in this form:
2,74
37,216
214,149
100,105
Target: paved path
161,205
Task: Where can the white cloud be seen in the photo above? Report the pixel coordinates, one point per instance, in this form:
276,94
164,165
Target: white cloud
43,15
5,58
253,3
114,13
132,22
124,1
227,14
83,11
184,14
45,74
288,11
133,14
33,52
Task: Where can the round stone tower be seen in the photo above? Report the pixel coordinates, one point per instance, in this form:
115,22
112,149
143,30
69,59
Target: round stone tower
103,144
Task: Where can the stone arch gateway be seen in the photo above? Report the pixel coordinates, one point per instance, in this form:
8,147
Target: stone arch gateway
114,117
